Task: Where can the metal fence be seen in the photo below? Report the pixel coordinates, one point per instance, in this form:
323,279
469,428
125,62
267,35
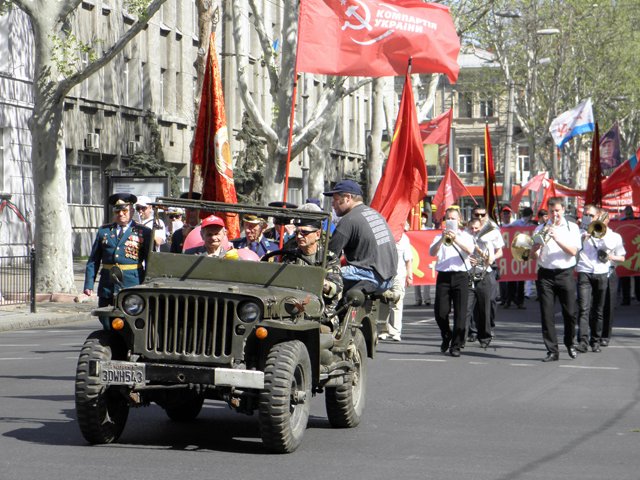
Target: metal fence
17,280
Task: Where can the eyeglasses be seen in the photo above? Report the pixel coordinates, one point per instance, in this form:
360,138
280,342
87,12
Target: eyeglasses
174,216
140,208
477,214
304,233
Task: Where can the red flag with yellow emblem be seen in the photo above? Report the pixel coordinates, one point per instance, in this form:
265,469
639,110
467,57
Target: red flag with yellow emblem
211,168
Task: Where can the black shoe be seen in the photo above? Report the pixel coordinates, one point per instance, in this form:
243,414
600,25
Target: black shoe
572,352
551,357
582,347
595,348
604,342
472,338
444,346
455,352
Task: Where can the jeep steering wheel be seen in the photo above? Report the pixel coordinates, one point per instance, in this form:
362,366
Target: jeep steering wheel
291,254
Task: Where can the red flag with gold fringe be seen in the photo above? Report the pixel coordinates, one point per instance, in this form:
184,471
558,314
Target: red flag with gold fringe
211,167
490,190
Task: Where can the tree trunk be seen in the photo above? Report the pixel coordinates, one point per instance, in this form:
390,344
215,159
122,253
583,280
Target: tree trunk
378,122
54,249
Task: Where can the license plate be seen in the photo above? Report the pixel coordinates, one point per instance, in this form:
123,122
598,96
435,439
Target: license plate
121,373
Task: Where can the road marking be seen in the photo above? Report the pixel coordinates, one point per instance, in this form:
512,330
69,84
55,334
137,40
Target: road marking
19,345
623,346
71,344
478,363
589,368
522,364
417,360
420,322
22,358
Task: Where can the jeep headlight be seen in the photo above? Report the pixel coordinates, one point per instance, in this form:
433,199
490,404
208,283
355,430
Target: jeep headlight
133,304
249,311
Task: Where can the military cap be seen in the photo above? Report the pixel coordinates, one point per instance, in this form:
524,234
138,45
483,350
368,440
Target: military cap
251,218
122,201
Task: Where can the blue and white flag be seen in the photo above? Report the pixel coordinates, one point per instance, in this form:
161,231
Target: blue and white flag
573,122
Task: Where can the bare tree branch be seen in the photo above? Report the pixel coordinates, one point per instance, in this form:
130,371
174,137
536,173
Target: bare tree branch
267,48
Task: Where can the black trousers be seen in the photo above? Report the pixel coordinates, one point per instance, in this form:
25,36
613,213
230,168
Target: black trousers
625,286
479,307
592,289
452,287
609,304
558,283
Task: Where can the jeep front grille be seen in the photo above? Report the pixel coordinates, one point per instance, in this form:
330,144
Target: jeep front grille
183,325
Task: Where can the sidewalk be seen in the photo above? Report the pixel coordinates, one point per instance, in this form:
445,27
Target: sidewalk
63,308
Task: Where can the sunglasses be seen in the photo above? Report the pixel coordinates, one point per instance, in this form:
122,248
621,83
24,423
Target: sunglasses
480,214
174,216
304,233
139,209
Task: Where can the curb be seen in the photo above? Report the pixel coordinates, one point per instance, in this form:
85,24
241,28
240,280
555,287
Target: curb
25,321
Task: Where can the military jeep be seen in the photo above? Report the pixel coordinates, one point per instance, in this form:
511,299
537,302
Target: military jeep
247,333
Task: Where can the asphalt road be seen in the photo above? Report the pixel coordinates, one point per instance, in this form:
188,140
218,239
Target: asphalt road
495,414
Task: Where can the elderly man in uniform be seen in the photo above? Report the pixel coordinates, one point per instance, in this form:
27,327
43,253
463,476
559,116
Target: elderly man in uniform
364,237
122,245
555,249
253,238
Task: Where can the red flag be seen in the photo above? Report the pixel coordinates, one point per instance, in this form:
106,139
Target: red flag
594,183
372,38
534,184
634,180
549,191
211,167
490,192
437,130
404,182
451,188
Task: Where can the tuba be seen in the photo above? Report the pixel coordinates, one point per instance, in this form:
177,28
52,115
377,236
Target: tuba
521,247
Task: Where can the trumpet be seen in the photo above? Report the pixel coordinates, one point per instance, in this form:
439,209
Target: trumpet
542,237
447,239
597,229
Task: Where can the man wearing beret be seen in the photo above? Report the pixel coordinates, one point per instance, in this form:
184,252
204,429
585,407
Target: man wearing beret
253,239
123,244
364,237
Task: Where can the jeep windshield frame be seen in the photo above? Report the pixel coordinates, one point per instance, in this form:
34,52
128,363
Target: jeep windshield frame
280,215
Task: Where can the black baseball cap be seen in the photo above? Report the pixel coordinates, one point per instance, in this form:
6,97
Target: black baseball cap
345,186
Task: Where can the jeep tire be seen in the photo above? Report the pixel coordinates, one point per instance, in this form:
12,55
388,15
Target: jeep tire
285,402
102,411
345,403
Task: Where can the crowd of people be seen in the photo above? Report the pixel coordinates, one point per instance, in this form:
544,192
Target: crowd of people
467,287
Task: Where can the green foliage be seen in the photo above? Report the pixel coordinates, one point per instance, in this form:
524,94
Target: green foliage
5,6
248,174
68,51
152,163
138,8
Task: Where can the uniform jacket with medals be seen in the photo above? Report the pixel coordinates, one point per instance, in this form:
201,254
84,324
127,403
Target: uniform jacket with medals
129,250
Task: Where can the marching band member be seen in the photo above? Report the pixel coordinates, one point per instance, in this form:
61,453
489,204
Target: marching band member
452,249
556,244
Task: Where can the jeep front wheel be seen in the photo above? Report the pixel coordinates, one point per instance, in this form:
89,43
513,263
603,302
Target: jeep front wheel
285,401
102,411
345,403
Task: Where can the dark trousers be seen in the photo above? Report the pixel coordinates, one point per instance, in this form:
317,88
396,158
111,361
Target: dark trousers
452,287
609,304
515,293
558,283
479,307
592,289
625,286
495,292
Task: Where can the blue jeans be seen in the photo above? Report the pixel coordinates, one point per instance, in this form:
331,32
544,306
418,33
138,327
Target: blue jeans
356,274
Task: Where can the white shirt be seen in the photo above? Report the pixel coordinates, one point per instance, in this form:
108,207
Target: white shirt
588,259
551,255
494,237
486,247
159,235
405,254
453,258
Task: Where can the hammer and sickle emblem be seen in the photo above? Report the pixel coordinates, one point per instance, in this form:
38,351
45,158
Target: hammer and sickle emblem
352,12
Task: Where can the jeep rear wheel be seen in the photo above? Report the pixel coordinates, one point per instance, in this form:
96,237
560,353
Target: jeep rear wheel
102,411
345,403
285,401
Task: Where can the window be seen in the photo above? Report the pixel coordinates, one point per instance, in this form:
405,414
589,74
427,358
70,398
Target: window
465,105
524,161
486,108
465,160
482,160
84,182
